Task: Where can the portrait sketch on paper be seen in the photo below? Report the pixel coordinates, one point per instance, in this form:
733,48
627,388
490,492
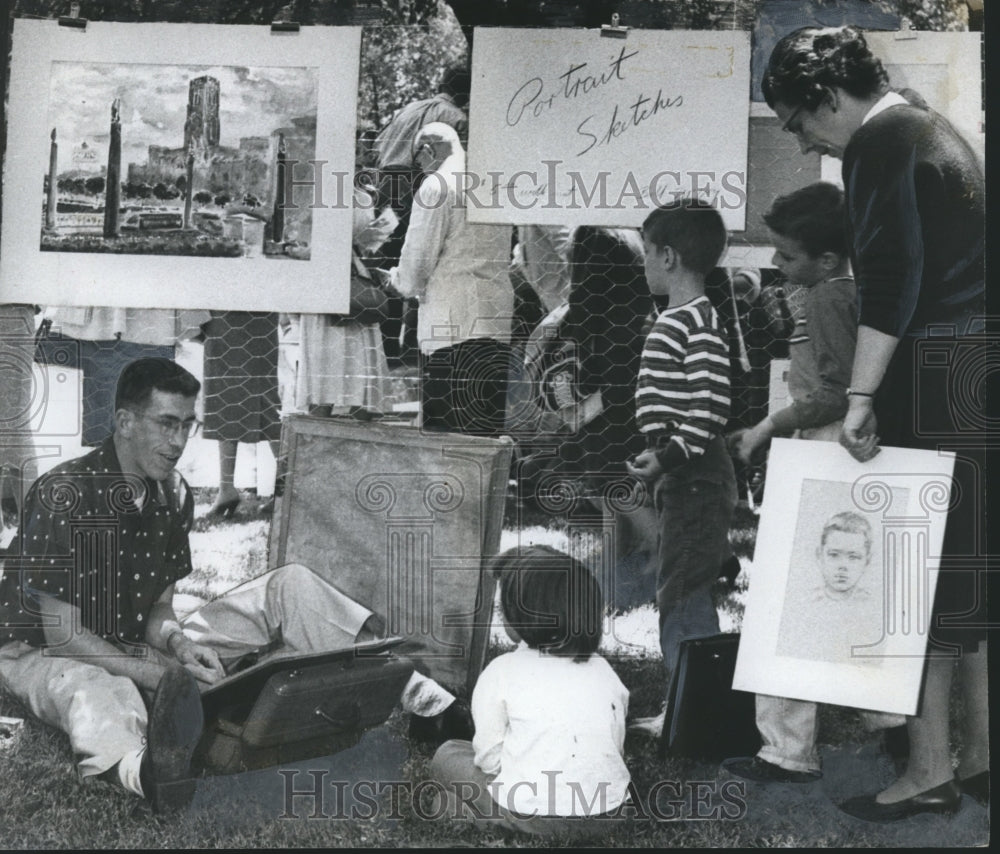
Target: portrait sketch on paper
835,592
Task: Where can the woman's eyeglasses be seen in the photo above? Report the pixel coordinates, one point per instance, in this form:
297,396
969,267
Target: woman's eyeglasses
787,126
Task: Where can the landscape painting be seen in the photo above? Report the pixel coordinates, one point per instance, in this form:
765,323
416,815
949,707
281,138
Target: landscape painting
179,160
163,165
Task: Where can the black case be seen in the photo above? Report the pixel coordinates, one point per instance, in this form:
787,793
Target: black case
706,718
289,708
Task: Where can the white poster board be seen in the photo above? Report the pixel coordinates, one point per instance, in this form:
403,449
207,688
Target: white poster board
568,127
943,68
231,106
844,573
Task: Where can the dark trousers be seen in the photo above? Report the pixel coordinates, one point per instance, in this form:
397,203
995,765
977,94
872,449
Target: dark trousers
464,387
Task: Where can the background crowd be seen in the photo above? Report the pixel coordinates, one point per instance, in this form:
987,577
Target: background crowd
543,333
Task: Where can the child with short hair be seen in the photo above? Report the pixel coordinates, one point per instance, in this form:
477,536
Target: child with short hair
833,613
843,555
810,241
548,749
682,405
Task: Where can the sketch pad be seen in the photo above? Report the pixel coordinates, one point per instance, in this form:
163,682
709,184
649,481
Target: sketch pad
293,707
248,681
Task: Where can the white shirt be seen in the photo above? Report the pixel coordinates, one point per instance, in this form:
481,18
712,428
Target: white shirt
544,254
161,327
457,269
889,99
553,731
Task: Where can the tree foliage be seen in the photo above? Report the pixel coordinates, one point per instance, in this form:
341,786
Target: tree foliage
239,11
932,14
403,64
691,14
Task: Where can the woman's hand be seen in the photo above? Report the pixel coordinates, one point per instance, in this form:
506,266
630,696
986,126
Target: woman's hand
858,433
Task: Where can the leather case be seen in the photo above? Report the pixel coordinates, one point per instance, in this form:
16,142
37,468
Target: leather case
706,718
289,708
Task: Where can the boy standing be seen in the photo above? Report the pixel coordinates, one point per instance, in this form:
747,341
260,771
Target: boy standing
810,241
810,249
682,404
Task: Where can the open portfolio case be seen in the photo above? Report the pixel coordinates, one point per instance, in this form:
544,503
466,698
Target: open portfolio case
401,521
292,707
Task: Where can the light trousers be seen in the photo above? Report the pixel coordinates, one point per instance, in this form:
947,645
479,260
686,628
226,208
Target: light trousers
105,715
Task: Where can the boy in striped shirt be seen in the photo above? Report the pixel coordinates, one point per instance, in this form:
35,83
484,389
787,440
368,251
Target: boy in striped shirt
682,404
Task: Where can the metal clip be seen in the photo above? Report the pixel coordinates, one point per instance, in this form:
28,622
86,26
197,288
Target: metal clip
614,30
73,19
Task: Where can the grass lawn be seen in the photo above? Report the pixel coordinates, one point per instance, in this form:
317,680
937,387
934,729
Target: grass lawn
44,805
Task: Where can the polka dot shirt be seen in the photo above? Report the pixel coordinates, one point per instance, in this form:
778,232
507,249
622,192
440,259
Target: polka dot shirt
109,543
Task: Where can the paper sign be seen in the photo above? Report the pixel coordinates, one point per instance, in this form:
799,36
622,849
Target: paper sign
570,127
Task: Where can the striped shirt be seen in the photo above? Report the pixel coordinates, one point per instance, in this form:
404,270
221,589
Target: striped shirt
683,388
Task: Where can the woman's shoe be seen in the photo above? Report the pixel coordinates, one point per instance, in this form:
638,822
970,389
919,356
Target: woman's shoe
977,787
945,798
225,510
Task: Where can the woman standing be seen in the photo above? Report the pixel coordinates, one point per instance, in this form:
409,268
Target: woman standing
241,392
915,213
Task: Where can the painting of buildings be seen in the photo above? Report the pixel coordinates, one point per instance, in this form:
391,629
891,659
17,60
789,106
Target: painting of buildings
180,160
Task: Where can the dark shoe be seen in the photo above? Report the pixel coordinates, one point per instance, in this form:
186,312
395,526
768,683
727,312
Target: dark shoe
977,787
731,567
172,734
454,722
945,798
761,771
225,510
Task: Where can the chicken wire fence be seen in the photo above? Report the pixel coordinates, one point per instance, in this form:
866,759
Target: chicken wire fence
570,372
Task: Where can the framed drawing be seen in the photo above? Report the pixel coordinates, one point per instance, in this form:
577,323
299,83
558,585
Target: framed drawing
843,577
179,165
402,521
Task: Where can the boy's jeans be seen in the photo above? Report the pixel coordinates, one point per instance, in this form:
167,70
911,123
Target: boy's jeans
695,514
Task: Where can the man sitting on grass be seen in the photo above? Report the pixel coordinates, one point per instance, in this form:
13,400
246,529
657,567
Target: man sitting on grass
87,623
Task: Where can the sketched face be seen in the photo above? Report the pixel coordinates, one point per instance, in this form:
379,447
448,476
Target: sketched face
843,558
824,130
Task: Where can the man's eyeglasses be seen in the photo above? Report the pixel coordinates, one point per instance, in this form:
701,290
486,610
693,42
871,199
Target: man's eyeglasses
168,426
787,126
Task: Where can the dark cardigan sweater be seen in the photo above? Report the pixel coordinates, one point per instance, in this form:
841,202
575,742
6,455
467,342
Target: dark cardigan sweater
916,215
